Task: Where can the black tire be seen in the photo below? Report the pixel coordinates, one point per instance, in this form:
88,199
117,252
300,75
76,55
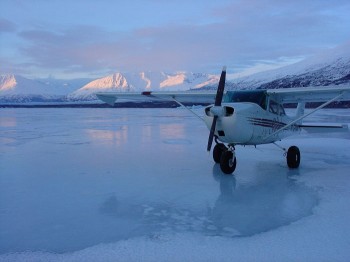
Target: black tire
217,152
293,157
228,162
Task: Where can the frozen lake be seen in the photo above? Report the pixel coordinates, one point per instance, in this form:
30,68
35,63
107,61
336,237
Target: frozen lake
138,184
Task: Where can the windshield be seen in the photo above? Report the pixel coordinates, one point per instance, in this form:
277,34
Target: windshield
253,96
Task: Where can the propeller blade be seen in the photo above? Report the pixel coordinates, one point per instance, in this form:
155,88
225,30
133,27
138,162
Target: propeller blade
221,87
211,134
218,100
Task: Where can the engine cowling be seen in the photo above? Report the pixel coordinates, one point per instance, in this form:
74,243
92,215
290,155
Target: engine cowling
232,125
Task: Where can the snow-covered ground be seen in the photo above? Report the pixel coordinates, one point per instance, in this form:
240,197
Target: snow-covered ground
138,185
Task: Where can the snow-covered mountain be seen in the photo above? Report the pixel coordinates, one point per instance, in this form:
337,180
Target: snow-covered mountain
15,88
329,68
16,85
142,81
18,89
64,86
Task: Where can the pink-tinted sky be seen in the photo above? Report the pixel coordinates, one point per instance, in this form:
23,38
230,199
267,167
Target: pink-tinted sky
85,38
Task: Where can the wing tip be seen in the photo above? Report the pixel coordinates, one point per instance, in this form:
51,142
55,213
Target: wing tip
107,99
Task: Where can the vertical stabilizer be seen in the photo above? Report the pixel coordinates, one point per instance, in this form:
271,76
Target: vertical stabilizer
300,111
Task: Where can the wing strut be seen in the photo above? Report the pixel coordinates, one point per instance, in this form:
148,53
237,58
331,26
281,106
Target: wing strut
303,116
182,105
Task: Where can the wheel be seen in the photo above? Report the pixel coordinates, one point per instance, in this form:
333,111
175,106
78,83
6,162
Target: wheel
228,162
217,152
293,157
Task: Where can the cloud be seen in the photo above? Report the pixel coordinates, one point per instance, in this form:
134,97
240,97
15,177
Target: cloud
73,48
7,26
144,49
239,34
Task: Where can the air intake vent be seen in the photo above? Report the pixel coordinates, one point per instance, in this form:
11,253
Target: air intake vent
229,111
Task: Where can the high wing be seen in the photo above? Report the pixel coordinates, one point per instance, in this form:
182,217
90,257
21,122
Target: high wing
183,97
306,94
286,95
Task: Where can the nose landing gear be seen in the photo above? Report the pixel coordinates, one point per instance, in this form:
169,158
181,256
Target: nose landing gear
217,152
228,161
226,157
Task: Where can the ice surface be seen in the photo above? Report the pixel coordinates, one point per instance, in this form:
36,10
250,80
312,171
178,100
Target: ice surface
138,185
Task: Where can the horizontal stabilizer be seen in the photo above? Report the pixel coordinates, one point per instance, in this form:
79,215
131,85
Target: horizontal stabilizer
312,128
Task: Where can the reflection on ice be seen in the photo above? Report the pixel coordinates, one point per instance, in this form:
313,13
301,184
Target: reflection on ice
261,207
242,210
116,137
172,131
8,122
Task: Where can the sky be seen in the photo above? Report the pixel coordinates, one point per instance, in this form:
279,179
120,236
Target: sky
88,38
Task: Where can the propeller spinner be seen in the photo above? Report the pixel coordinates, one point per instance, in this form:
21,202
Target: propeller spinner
218,100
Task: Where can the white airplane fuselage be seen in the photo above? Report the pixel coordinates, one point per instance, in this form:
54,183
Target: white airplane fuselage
246,123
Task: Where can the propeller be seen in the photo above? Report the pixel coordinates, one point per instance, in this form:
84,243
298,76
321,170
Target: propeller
218,100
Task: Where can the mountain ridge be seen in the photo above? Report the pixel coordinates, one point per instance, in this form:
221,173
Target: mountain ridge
328,68
144,81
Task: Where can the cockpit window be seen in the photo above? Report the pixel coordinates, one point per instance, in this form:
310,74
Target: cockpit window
273,108
281,112
253,96
276,108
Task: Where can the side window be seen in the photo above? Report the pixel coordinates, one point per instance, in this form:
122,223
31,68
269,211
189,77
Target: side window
281,111
273,108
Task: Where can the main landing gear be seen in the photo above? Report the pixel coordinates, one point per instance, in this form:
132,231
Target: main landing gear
226,157
292,156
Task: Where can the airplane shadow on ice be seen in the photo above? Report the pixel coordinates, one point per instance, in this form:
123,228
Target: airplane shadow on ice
241,209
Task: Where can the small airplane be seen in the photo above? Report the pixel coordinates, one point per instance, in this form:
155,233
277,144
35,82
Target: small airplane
248,117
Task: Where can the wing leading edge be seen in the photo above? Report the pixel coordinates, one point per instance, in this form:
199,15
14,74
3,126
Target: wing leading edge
190,96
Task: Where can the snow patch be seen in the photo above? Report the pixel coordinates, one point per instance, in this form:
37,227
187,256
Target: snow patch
7,82
173,80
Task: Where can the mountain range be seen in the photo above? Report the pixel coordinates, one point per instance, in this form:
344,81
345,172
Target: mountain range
329,68
145,81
